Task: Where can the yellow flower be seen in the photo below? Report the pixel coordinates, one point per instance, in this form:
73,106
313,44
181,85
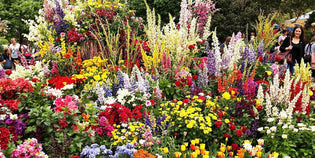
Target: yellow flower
197,141
226,96
193,142
182,148
258,154
311,93
97,77
202,146
165,150
226,120
269,73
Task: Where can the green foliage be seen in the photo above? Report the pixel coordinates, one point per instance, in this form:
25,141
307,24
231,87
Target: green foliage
2,42
311,19
162,7
15,11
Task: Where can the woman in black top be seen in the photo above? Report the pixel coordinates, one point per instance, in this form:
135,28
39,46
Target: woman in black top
296,48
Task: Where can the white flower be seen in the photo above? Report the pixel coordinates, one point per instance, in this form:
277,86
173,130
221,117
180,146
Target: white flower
266,127
285,126
295,130
148,103
148,95
68,86
268,131
273,128
124,125
301,125
123,137
247,146
103,107
14,117
283,115
110,100
141,141
291,126
260,129
312,128
284,136
270,119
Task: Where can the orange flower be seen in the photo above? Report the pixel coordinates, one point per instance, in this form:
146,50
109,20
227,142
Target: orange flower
143,153
85,117
79,60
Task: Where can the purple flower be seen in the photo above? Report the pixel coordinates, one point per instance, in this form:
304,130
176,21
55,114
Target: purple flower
260,50
211,63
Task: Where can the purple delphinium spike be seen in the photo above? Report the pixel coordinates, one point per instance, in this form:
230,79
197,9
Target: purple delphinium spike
211,63
252,56
260,49
246,53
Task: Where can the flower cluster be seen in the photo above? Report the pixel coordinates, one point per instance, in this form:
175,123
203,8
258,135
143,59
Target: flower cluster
4,137
10,87
29,148
75,36
104,127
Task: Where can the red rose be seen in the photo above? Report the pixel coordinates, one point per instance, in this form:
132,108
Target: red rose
232,127
195,77
226,136
239,132
177,83
244,129
218,124
185,101
191,47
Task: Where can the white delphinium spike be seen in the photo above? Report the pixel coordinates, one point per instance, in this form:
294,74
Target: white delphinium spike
238,48
275,111
287,86
289,110
185,14
268,105
274,91
140,83
260,94
100,93
217,52
127,84
206,32
305,99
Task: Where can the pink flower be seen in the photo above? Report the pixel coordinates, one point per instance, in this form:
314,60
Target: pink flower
103,121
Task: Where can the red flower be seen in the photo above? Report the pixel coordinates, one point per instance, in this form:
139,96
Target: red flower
183,80
226,135
235,147
152,101
35,80
218,124
75,156
277,58
192,147
4,137
185,101
239,132
175,134
63,123
259,107
220,114
191,47
260,59
244,129
8,72
195,77
232,127
177,83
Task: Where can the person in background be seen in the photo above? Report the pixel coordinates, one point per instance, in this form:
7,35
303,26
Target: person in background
225,44
309,50
295,44
7,60
15,50
282,36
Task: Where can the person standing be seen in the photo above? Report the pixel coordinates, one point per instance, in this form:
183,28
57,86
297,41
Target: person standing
7,60
15,50
295,44
309,50
283,36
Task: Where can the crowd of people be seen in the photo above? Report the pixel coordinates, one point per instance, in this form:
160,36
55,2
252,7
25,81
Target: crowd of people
14,53
293,42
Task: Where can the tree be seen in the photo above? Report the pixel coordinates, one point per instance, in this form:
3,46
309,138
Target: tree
311,19
15,11
162,7
234,16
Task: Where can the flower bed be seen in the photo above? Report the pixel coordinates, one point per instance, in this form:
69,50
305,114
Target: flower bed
100,88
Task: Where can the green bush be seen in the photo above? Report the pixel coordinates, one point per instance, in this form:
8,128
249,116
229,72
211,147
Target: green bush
2,42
